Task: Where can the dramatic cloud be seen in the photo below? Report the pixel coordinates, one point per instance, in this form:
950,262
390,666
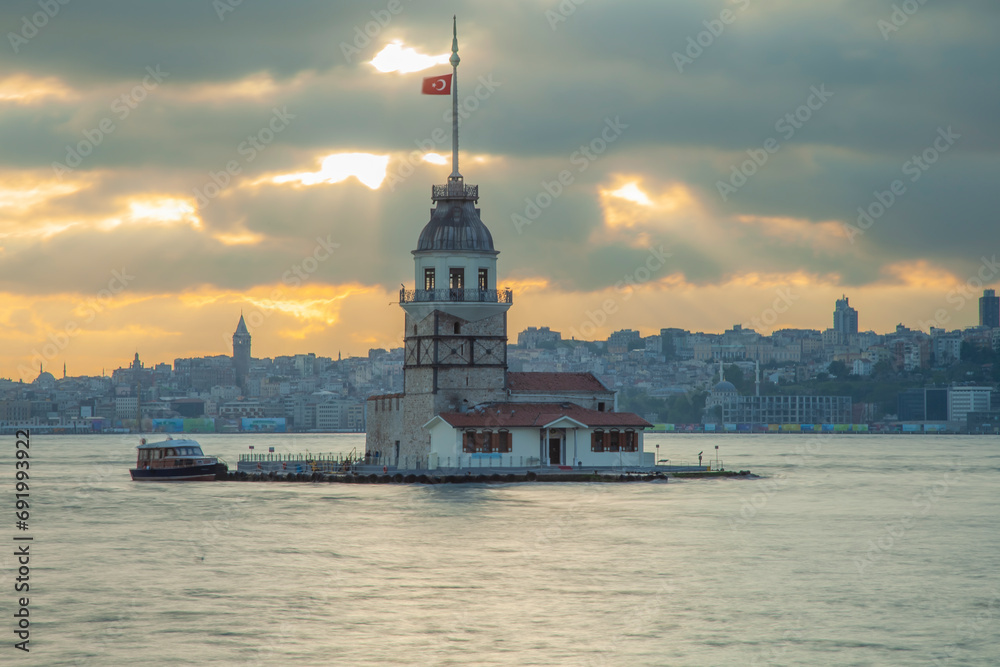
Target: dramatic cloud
641,165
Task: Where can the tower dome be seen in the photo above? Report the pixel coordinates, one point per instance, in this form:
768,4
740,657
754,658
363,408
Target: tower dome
455,225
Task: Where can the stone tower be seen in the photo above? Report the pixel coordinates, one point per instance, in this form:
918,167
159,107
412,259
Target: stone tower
455,336
455,340
241,351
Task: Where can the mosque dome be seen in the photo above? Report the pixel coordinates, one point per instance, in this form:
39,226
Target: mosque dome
724,387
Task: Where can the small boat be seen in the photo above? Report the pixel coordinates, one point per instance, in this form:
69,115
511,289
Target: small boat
175,461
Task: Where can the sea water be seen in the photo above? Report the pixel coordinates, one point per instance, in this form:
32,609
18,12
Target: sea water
848,550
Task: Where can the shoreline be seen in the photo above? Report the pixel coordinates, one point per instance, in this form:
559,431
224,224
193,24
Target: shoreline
418,477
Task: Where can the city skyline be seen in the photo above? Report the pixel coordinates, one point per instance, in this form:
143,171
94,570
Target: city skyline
241,354
150,197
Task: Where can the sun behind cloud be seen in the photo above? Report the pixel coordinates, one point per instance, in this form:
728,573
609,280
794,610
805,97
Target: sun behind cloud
368,168
404,59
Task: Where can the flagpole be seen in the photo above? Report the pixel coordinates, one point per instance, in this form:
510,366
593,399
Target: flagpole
454,98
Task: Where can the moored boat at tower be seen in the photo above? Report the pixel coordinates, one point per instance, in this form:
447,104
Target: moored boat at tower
175,461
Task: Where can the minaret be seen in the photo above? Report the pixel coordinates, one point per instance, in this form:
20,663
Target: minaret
241,351
456,318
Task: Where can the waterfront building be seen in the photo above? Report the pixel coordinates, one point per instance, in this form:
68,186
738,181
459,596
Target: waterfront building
963,400
922,404
726,405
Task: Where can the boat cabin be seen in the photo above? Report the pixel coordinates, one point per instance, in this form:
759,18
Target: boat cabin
171,454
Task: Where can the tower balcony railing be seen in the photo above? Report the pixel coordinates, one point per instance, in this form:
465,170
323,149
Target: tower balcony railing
455,189
459,294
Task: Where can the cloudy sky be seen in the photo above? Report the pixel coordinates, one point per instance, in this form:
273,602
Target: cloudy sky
642,164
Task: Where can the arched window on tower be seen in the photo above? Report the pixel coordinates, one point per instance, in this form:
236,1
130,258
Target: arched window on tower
458,328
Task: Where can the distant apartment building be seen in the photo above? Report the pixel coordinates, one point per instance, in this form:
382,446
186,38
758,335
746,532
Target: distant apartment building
535,337
910,353
845,318
241,409
126,407
15,411
989,309
947,348
339,415
620,342
862,367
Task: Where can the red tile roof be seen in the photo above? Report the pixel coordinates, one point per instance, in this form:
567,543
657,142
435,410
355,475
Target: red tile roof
554,382
539,414
380,396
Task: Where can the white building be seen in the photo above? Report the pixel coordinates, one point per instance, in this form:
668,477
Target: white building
963,400
532,434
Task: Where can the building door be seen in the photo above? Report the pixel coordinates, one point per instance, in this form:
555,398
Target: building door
555,451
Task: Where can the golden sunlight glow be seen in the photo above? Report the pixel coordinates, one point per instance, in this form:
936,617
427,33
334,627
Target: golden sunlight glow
306,303
33,193
156,210
627,206
522,285
632,193
822,235
368,168
164,209
29,206
239,238
920,274
25,89
42,230
397,58
256,85
435,158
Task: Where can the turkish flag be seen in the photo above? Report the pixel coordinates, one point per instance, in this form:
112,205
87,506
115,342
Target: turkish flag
437,85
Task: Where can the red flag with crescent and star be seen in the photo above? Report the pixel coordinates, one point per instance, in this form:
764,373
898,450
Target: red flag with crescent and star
437,85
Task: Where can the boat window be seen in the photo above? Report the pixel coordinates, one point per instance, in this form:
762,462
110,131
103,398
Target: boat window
171,452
